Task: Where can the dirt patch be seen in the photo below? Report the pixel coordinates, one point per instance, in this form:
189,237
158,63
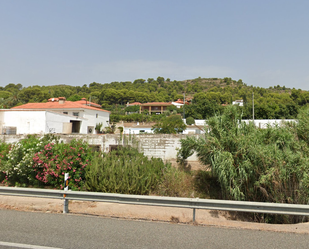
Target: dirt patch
151,213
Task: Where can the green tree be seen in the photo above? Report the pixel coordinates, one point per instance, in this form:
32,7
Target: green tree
169,125
33,94
132,108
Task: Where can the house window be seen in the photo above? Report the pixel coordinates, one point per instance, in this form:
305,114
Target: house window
76,114
97,115
65,112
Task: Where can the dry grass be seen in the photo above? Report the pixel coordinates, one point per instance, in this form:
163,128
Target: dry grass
191,184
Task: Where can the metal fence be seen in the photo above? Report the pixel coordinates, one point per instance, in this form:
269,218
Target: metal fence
192,203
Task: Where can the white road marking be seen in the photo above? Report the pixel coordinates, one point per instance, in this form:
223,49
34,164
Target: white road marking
2,243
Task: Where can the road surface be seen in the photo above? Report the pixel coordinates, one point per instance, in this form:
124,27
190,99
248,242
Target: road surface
32,230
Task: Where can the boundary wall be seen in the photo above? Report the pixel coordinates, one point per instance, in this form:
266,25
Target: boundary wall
162,146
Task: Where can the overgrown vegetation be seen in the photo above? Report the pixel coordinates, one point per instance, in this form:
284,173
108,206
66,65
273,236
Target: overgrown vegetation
256,164
43,161
124,171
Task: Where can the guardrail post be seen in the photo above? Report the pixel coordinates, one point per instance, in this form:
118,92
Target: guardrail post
66,188
193,215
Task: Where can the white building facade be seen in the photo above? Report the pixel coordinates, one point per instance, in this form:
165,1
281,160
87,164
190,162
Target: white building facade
55,117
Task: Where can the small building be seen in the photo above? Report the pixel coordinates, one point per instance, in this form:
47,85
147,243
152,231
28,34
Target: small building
152,107
155,107
179,103
239,102
55,116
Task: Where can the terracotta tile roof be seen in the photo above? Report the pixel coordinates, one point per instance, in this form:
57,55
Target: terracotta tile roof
83,101
57,105
179,101
135,103
156,104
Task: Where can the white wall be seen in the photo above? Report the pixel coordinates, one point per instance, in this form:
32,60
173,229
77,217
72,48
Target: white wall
35,122
200,122
27,122
136,130
92,120
162,146
263,123
54,122
178,105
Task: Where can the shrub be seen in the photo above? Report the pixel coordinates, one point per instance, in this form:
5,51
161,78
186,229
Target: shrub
190,121
175,183
256,164
57,159
44,161
124,171
18,166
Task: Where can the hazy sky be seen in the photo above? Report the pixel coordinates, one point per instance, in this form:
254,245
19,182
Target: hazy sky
76,42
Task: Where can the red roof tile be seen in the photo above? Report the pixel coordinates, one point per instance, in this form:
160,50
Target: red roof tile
157,104
85,102
57,105
135,103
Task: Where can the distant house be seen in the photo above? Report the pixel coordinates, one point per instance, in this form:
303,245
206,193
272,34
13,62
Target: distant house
178,103
55,116
152,107
157,107
238,102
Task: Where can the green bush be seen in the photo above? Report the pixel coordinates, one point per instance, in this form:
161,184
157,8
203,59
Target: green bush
190,121
256,164
124,171
132,108
44,161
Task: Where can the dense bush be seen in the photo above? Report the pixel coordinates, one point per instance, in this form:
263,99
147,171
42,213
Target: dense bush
124,171
169,125
190,121
256,164
43,162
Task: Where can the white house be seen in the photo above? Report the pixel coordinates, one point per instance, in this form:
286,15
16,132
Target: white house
178,103
239,102
55,116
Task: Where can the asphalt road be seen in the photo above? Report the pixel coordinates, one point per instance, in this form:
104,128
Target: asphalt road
31,230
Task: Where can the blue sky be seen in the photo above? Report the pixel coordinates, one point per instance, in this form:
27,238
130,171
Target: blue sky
76,42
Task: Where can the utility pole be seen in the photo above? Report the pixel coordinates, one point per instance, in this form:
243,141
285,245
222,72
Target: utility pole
253,106
184,102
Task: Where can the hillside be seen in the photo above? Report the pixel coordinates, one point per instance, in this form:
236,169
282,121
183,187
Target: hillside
207,95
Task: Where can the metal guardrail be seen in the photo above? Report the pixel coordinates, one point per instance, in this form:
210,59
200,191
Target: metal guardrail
192,203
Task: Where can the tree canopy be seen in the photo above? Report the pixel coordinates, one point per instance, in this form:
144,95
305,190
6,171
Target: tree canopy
169,125
208,96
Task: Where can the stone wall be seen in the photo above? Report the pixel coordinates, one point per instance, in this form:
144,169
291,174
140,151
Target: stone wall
162,146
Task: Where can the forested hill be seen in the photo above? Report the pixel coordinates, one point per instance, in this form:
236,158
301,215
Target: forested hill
207,95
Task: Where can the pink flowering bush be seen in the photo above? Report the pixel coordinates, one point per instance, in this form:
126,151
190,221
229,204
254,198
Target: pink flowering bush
56,159
43,162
